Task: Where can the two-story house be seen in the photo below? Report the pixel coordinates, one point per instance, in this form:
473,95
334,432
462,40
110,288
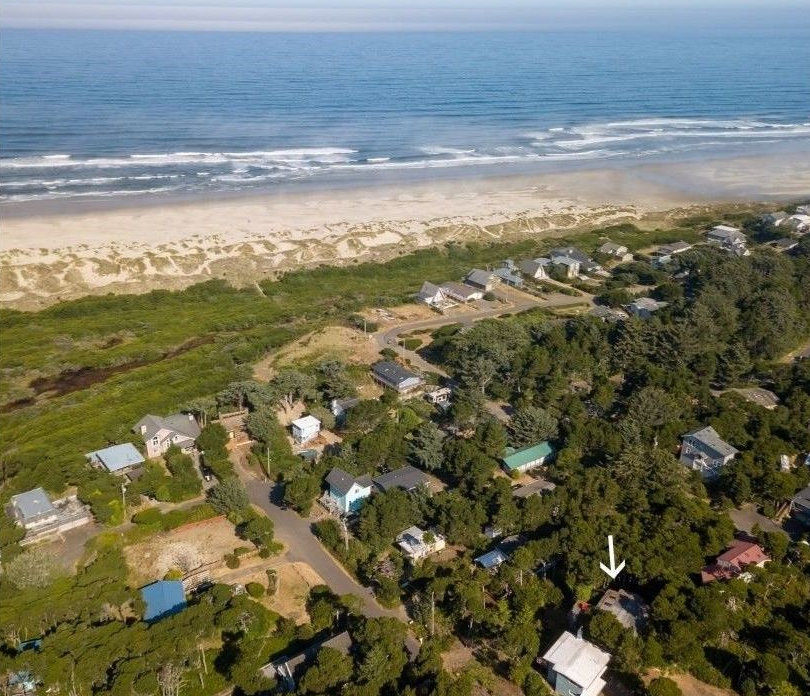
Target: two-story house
158,433
347,493
574,667
705,451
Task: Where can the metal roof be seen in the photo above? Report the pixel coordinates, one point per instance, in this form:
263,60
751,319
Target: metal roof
576,659
392,373
491,559
306,422
536,487
32,504
163,598
407,478
117,457
521,457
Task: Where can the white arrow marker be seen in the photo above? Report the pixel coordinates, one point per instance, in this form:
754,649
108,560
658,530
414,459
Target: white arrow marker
614,570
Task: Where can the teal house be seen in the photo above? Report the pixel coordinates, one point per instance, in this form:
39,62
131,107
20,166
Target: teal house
527,458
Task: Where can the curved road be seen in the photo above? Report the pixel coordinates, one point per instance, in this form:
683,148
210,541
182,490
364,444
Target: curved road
519,302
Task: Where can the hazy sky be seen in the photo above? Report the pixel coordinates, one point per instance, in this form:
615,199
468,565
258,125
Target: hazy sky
391,15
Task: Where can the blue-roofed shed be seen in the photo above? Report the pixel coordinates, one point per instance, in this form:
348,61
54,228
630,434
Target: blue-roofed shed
118,458
163,598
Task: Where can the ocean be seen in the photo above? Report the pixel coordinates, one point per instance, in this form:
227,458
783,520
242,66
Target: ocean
91,115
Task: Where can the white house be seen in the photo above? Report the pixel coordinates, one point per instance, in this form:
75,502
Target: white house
644,307
417,544
729,238
346,493
617,251
535,268
799,223
705,451
433,295
40,517
439,396
158,433
575,667
305,429
569,265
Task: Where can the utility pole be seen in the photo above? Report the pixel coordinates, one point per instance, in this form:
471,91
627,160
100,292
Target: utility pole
345,533
267,466
124,501
432,613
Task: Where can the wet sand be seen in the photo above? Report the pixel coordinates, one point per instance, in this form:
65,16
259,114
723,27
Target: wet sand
154,244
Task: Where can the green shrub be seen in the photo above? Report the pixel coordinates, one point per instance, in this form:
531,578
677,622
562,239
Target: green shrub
173,574
232,561
149,516
411,343
255,589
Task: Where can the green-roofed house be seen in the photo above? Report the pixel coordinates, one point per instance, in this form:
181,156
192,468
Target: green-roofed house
527,458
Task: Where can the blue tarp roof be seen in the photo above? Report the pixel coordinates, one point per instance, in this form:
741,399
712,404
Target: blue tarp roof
117,457
163,598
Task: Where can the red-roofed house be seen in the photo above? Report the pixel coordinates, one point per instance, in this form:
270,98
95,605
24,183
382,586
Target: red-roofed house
731,563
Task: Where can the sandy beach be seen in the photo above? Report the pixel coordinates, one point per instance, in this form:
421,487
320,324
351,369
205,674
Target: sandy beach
49,257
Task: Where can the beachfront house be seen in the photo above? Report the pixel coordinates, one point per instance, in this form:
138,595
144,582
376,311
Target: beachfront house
461,292
705,451
520,460
799,223
644,307
568,265
417,544
616,251
732,562
163,598
288,670
158,433
482,280
628,608
507,276
118,459
535,268
33,509
586,263
776,218
305,429
346,493
433,295
575,667
394,376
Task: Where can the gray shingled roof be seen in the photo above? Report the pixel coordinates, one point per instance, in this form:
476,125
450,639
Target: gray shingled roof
479,277
342,481
407,478
712,442
178,422
391,372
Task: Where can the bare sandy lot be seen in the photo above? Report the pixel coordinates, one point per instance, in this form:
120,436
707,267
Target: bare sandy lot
44,258
185,548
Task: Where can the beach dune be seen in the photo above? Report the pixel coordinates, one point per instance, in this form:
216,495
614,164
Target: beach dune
47,257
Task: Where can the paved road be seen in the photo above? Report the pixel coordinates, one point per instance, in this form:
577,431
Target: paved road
302,545
519,302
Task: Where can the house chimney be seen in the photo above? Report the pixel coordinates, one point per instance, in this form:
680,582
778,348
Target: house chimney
143,430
